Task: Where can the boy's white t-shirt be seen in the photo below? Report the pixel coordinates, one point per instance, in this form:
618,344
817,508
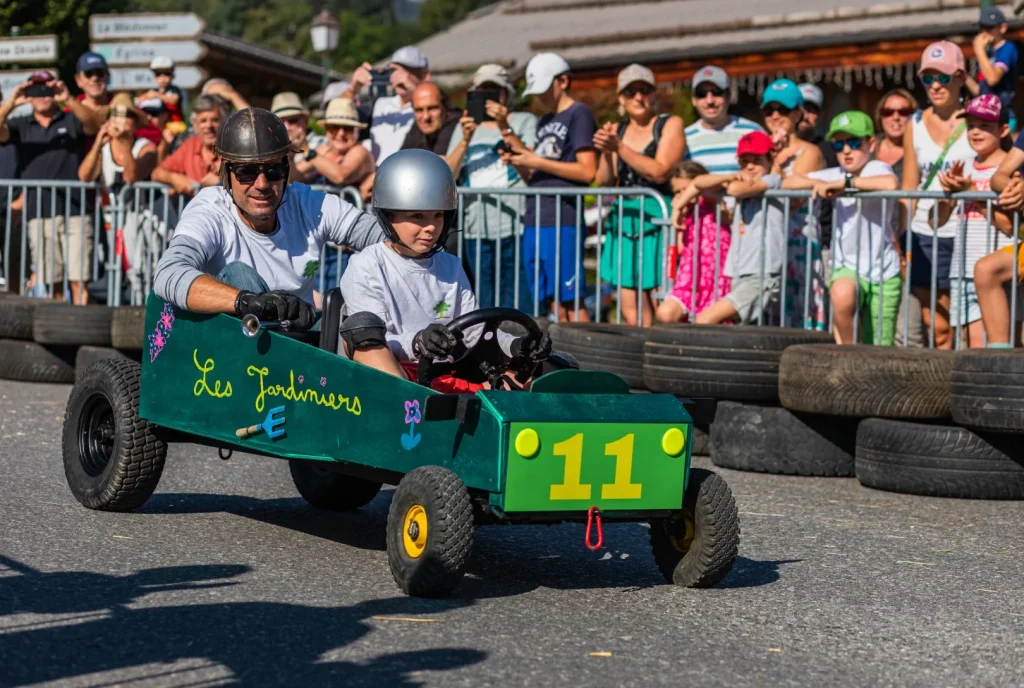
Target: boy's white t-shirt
408,294
980,238
864,242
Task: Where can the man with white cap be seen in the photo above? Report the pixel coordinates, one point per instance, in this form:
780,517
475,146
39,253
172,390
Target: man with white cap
392,115
807,130
712,139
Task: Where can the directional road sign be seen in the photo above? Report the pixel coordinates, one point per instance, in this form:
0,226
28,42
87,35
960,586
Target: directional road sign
138,53
128,79
108,27
10,80
28,49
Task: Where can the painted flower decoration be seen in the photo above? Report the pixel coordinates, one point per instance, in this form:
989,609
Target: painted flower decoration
167,318
323,382
412,411
301,378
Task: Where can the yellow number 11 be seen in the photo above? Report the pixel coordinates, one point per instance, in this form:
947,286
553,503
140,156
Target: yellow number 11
571,488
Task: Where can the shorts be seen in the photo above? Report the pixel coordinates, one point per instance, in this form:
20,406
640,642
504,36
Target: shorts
1020,259
746,295
71,249
540,265
920,266
970,308
870,294
445,384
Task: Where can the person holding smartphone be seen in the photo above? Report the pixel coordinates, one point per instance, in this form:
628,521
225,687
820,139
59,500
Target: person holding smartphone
492,224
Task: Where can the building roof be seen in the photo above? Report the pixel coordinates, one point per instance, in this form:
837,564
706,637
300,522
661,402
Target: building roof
592,34
237,46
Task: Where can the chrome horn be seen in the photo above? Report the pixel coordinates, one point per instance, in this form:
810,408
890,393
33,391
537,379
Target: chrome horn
251,325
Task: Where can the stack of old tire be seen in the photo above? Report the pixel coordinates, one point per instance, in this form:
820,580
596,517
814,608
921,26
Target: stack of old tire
927,422
46,341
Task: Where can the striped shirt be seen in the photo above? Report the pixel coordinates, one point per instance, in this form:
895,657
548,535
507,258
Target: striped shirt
715,149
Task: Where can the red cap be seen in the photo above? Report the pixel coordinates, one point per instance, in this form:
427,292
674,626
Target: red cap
755,143
40,77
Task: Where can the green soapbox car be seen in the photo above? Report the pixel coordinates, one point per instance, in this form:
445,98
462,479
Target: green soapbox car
576,447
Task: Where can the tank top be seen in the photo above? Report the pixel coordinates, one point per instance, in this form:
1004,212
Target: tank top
928,153
630,177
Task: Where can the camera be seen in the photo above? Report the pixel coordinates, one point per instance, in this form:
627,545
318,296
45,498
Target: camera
380,84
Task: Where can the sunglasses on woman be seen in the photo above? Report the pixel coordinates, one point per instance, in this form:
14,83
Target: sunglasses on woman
854,144
929,79
333,129
902,112
772,108
249,172
631,90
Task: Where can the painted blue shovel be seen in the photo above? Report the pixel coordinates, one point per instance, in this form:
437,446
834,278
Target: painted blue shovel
270,425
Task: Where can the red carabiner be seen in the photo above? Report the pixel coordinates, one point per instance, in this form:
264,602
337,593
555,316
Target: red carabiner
594,514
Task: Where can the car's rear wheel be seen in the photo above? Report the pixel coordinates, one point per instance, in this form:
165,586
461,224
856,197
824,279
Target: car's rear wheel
697,546
325,487
112,458
430,532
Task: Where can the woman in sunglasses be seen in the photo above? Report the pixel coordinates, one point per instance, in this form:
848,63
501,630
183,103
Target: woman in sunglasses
782,107
935,140
892,115
639,151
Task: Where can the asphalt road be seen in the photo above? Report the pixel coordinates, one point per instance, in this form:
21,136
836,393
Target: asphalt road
226,577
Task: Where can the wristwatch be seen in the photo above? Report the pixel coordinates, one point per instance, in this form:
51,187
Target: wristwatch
507,131
849,182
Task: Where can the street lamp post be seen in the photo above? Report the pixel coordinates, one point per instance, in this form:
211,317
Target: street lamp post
324,33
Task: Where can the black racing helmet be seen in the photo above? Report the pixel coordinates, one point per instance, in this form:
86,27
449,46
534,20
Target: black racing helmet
253,135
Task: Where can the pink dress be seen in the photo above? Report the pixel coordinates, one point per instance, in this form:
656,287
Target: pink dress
706,294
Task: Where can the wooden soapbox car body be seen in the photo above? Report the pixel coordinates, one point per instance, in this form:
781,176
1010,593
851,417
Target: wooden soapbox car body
577,446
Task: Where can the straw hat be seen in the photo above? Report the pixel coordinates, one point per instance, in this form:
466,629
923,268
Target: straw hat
342,112
122,105
288,104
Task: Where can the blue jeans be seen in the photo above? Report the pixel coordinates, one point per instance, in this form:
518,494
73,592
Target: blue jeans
489,262
244,277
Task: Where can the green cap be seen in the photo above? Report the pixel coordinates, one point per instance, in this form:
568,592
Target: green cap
852,122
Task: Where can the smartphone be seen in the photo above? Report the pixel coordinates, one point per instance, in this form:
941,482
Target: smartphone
502,147
38,91
476,103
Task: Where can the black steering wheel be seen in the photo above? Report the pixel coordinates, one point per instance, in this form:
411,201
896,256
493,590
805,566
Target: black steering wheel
485,362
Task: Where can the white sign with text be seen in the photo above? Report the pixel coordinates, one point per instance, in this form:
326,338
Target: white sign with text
117,54
119,26
28,49
127,79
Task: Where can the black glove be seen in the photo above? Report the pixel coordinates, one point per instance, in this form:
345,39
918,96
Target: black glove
434,340
532,348
277,306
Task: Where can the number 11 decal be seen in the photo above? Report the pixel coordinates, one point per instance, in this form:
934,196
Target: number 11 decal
570,488
622,488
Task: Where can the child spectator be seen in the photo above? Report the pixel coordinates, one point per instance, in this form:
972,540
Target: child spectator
166,91
684,302
756,273
988,132
564,157
991,276
866,277
997,59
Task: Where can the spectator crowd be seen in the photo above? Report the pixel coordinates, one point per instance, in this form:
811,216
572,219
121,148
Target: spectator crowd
878,269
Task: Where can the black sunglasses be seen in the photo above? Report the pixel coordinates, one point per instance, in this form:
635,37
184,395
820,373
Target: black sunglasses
854,144
248,173
631,90
95,73
161,72
772,108
703,92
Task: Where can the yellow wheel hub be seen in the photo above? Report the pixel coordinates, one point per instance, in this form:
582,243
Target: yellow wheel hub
414,531
682,529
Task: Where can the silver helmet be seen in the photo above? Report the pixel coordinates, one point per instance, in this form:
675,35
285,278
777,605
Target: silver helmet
415,180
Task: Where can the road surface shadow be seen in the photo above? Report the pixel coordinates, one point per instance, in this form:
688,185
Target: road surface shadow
261,643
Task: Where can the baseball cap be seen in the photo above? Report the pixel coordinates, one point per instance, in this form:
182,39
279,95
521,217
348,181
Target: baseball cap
987,108
755,143
161,62
410,56
87,61
288,104
151,106
944,57
542,70
852,122
783,92
40,77
991,17
713,74
335,90
493,74
812,94
634,73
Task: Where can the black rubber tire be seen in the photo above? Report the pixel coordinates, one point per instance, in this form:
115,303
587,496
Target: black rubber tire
326,488
716,536
438,568
701,442
939,460
739,363
616,349
62,323
862,381
769,439
108,393
87,355
16,316
988,389
31,362
127,325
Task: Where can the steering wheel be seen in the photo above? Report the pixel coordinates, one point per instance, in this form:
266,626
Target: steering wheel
485,362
